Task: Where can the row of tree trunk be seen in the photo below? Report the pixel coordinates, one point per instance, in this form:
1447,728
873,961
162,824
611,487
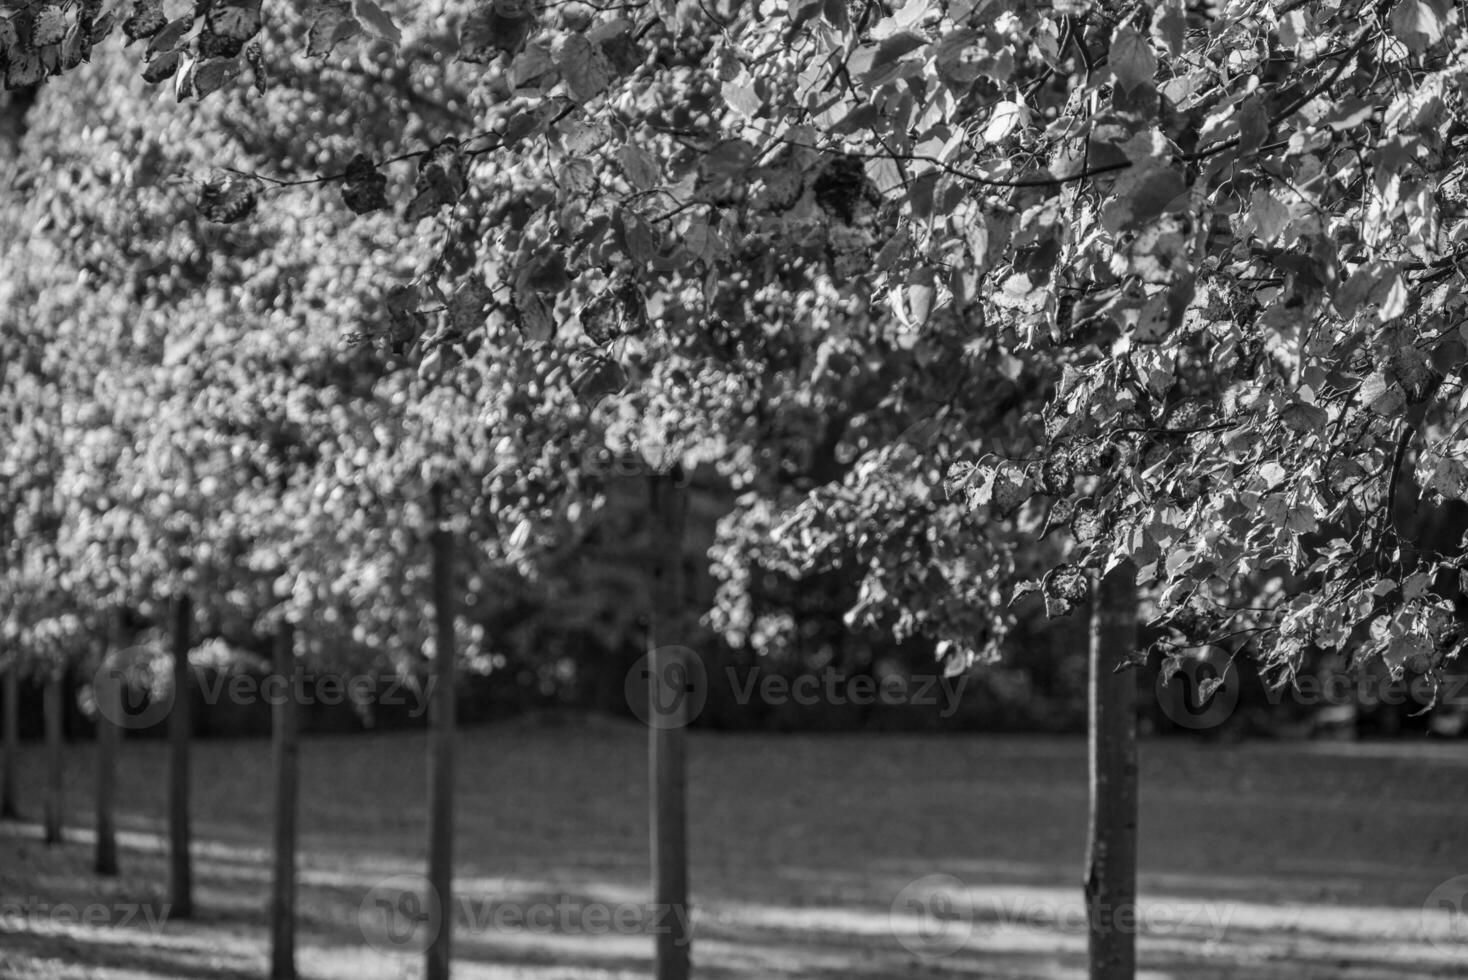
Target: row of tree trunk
1111,852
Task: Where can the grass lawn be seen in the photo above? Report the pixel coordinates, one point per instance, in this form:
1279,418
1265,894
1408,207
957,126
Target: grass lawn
1264,860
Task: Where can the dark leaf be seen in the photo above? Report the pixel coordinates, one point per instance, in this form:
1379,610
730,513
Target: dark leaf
1065,587
146,20
48,25
440,180
256,60
227,198
333,24
377,22
162,67
365,188
229,27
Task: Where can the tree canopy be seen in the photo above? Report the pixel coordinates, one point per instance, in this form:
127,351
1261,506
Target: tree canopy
1181,285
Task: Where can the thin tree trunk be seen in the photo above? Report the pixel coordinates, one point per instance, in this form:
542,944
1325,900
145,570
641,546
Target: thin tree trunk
285,757
9,802
107,690
54,705
667,737
441,747
1111,845
180,730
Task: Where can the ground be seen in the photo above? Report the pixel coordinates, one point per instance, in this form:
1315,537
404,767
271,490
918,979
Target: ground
1272,860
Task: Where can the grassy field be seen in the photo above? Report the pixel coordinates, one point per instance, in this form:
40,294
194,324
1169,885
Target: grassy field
1258,860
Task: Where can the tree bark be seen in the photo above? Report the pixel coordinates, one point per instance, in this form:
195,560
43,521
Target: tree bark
285,755
54,706
180,730
441,747
668,738
1111,844
9,802
107,692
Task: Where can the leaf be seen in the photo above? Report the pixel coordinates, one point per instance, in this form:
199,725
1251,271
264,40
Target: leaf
1416,24
894,47
364,188
162,67
1305,418
1381,396
1026,588
601,319
332,25
229,27
639,166
585,68
25,68
638,239
168,38
1005,119
227,198
740,94
536,315
1170,26
146,20
440,181
1065,587
1087,523
1267,215
377,22
255,58
469,307
1132,62
48,25
214,75
487,32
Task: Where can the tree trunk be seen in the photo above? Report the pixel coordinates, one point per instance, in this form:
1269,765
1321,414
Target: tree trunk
180,729
53,706
9,802
107,691
441,748
285,757
1111,844
668,736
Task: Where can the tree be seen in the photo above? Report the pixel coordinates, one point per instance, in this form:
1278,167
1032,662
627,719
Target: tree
107,709
1111,841
668,735
180,733
54,712
1222,246
285,748
9,800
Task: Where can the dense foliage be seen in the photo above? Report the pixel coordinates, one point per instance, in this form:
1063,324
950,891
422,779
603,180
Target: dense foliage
928,283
